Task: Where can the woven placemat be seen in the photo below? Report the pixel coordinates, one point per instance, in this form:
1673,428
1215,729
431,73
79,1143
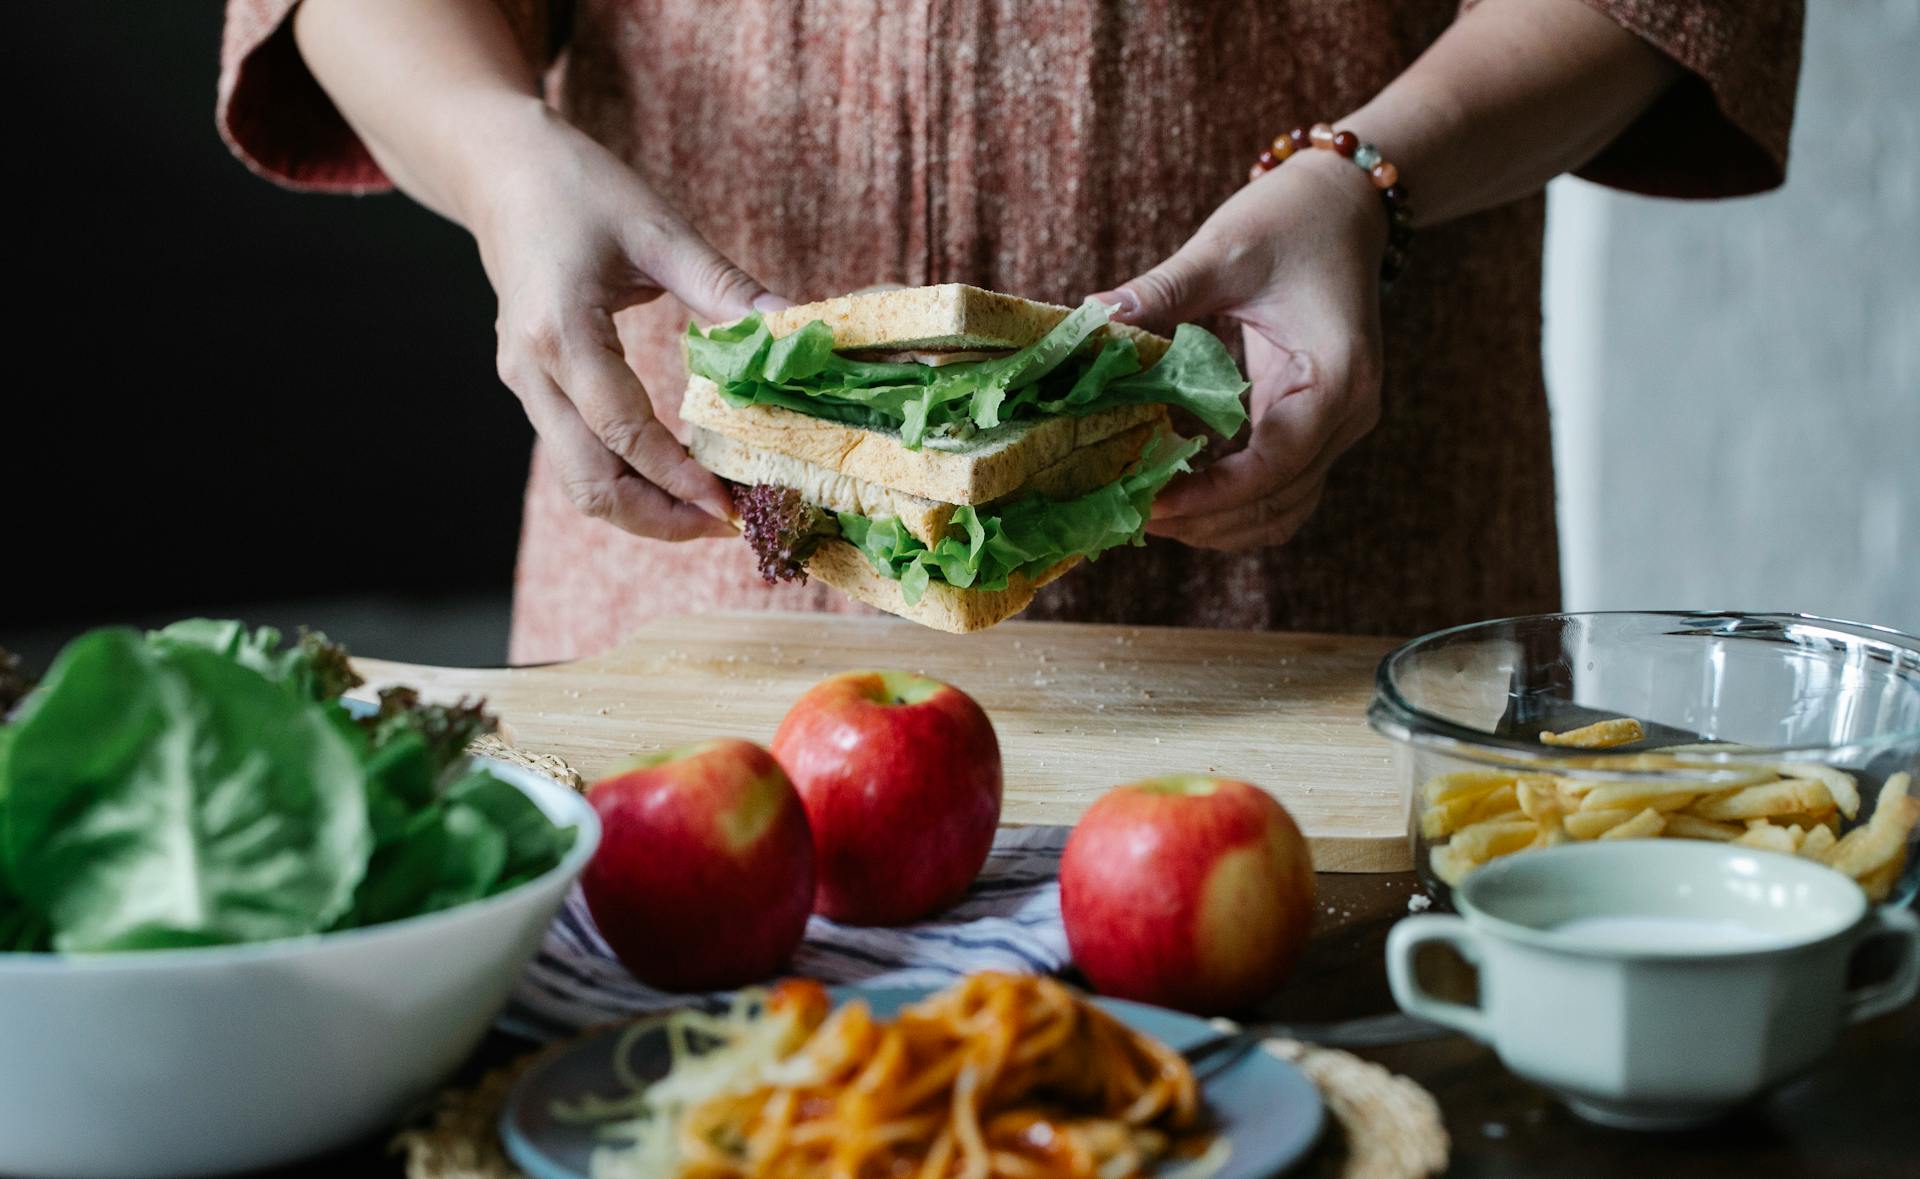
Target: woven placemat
1383,1126
490,745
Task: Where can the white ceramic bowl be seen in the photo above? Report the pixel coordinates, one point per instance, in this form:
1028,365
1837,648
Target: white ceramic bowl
202,1061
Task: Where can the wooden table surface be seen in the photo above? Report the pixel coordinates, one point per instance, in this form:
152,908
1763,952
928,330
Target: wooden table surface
1853,1117
1284,711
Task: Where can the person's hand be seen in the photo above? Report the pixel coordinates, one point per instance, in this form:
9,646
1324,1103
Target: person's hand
569,235
1294,258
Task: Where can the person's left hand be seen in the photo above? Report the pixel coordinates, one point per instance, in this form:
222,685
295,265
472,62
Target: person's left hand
1294,258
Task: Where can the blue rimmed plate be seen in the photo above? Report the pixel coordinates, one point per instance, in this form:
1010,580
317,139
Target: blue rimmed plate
1268,1111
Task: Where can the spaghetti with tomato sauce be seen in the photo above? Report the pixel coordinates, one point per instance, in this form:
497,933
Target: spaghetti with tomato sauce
998,1077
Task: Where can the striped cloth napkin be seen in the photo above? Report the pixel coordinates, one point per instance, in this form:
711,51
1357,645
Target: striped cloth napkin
1009,920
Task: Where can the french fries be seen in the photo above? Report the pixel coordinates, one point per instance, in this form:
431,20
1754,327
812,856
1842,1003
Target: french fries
1465,809
1594,824
1767,837
1796,808
1818,843
1844,791
1863,851
1493,838
1466,784
1686,826
1645,825
1539,801
1784,797
1621,730
1660,796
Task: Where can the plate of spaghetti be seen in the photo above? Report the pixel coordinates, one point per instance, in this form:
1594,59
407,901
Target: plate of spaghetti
999,1076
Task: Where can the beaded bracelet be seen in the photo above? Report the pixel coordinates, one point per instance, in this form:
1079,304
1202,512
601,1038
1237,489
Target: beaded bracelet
1385,177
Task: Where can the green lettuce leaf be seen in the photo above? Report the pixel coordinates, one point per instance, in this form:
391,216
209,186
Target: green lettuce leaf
533,844
165,796
445,855
1061,373
258,650
1197,373
992,380
313,667
481,837
1026,537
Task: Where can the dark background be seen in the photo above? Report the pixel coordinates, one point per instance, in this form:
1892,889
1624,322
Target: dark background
226,397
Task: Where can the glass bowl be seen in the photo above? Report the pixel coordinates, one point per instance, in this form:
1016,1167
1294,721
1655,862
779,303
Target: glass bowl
1753,728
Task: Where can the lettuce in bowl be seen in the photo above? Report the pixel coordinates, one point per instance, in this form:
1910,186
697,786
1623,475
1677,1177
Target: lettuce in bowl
207,785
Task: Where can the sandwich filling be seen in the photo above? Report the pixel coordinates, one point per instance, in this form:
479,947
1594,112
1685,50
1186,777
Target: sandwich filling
1066,372
1027,537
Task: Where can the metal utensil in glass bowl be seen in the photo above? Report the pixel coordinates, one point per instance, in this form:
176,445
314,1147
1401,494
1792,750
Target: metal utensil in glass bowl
1727,702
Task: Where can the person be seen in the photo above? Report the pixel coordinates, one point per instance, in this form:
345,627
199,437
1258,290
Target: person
623,164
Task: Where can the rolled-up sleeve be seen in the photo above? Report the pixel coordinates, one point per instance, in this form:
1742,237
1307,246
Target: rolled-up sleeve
276,119
1722,129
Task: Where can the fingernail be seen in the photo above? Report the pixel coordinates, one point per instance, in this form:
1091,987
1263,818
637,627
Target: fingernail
768,301
1126,304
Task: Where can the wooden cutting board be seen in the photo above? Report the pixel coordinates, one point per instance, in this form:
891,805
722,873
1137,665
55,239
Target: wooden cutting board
1078,708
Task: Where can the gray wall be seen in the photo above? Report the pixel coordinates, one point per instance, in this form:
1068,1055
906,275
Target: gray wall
1736,384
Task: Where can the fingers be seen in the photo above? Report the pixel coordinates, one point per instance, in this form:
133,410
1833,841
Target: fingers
674,255
599,482
565,253
1293,403
1263,510
1306,415
618,462
1184,287
591,370
1170,293
1268,467
1223,264
1271,520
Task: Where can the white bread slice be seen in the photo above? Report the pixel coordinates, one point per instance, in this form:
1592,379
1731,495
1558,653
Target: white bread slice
942,607
823,486
989,466
1096,464
947,317
928,520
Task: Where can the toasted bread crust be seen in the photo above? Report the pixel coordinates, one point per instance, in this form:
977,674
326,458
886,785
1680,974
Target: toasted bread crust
942,607
946,317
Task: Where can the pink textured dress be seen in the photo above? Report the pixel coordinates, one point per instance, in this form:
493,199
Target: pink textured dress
1052,148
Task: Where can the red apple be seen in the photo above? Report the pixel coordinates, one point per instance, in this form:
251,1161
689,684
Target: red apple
1188,892
901,779
704,874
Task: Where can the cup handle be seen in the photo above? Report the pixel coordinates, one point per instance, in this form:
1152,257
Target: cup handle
1895,992
1403,942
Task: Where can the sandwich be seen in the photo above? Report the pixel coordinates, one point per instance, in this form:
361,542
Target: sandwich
943,452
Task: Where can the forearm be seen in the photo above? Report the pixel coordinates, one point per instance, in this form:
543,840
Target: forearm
438,90
1515,93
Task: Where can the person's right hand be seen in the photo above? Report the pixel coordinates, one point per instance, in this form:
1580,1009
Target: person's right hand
569,235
